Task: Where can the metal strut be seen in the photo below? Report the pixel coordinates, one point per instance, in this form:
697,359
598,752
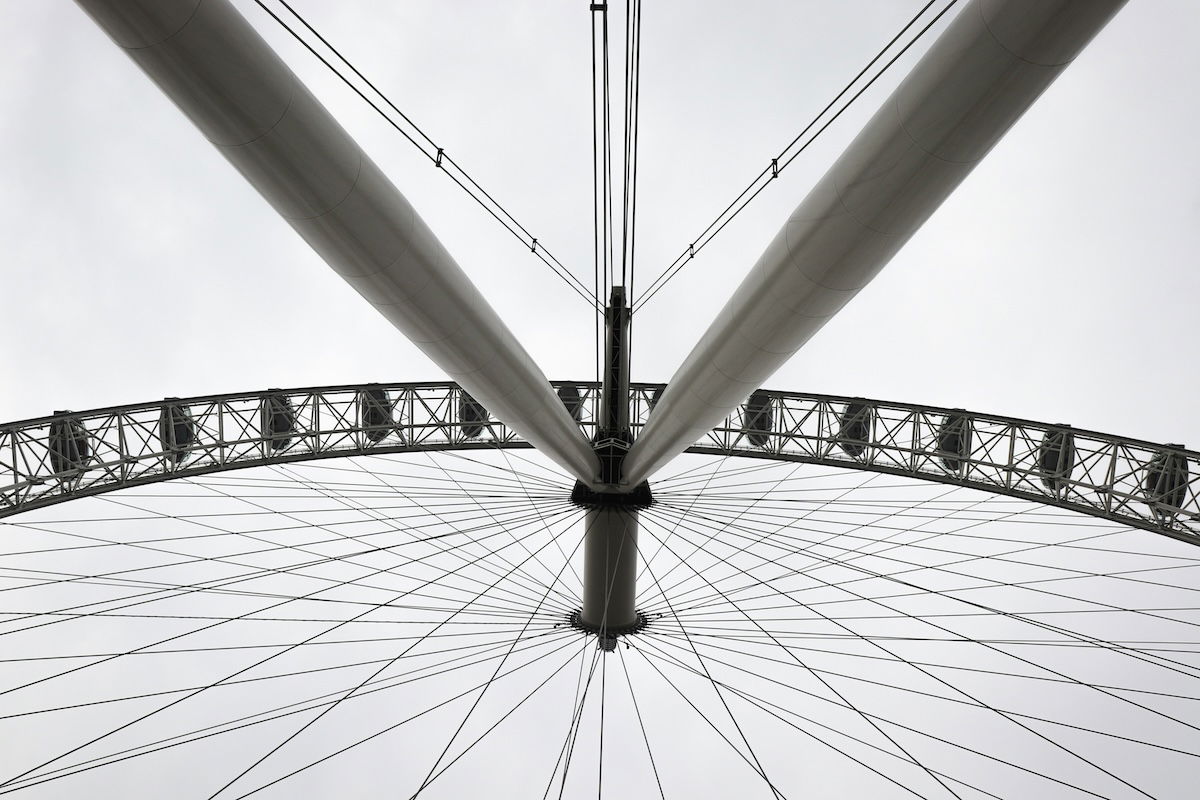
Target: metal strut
610,539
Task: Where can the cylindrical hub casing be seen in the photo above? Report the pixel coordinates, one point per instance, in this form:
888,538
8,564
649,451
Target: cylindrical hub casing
609,569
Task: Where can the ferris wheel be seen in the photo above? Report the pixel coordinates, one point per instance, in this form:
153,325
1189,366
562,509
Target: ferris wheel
421,587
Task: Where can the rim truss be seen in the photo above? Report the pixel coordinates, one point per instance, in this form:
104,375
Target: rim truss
57,458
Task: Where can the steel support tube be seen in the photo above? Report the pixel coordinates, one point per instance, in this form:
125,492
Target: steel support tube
609,569
213,65
977,79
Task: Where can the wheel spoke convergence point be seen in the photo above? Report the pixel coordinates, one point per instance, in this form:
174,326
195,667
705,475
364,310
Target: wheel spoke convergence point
1142,484
795,612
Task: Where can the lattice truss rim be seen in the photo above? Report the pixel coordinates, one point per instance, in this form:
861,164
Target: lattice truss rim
48,460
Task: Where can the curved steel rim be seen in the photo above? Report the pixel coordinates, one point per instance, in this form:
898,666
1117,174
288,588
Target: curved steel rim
53,459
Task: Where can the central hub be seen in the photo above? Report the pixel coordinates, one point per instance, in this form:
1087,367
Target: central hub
608,636
636,500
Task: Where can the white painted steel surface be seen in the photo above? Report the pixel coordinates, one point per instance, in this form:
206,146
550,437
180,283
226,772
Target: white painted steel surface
245,100
976,80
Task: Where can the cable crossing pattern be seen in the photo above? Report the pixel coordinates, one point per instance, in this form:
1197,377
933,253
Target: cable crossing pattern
429,148
793,150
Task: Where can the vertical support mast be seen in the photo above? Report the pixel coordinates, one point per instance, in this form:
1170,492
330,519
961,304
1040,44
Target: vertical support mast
610,539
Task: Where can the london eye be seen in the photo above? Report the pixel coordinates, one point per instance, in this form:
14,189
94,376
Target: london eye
713,583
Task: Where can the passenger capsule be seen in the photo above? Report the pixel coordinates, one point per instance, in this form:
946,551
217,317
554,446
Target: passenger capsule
375,413
954,441
176,430
1056,458
854,432
472,415
70,450
1166,481
278,419
568,393
757,418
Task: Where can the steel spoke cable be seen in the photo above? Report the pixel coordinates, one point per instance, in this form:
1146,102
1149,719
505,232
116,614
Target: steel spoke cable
144,584
716,729
666,510
516,504
715,626
484,646
716,689
389,520
603,696
497,627
490,479
258,573
606,170
772,170
1062,631
576,709
695,618
336,626
599,273
1003,557
633,84
677,483
641,722
1160,661
520,635
530,598
475,704
551,481
438,157
506,715
239,672
944,741
700,638
776,533
461,494
1028,662
573,730
762,704
905,594
570,598
700,635
343,558
369,513
821,679
494,615
557,544
206,733
687,512
473,469
645,562
648,650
